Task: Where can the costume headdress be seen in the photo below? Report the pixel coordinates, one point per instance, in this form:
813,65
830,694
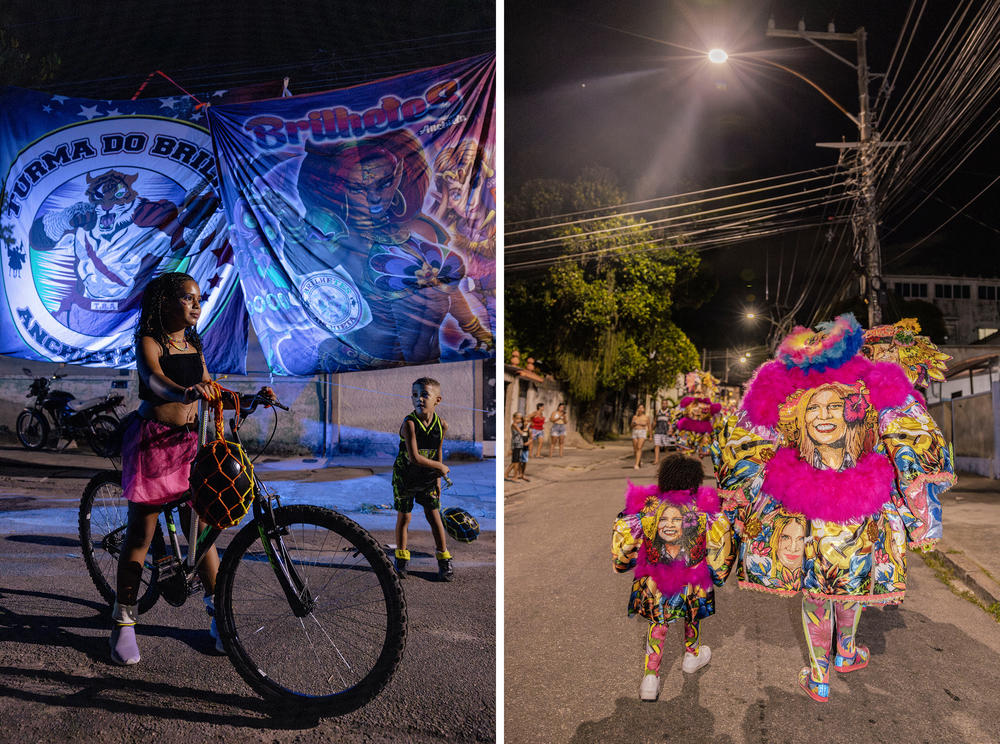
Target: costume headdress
918,355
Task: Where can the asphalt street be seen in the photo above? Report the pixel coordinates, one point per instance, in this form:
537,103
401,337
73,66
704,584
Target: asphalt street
573,660
56,683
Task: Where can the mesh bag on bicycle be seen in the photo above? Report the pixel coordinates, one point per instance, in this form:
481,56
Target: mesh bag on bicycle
221,477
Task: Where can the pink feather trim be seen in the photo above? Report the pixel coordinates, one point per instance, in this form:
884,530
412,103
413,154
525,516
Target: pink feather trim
887,384
830,495
699,427
673,577
705,499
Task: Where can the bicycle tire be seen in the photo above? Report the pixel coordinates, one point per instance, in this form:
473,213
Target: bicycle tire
32,430
273,650
102,430
103,519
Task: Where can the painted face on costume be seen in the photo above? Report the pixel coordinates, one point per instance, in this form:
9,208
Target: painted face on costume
825,417
669,527
882,352
698,411
791,545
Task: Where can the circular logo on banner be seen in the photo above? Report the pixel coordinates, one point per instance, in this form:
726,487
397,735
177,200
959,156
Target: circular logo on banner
94,211
336,302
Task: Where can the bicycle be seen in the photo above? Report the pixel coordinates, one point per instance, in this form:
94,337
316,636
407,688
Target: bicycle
309,608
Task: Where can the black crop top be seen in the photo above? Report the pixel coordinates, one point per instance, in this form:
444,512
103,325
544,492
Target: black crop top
184,369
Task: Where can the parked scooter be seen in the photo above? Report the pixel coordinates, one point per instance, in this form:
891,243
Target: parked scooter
57,415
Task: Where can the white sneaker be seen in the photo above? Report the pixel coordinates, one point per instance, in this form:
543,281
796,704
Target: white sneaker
650,687
214,632
694,662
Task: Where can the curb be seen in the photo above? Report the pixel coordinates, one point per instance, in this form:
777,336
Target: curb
972,575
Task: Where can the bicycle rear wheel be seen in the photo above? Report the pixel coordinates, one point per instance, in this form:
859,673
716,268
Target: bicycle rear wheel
103,521
344,651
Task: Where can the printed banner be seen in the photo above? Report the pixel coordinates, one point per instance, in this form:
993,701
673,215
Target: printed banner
364,220
99,197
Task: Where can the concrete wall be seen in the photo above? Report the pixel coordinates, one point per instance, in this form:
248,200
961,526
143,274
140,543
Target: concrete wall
358,412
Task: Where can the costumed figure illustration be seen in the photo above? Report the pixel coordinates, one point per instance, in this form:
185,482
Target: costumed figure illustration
837,470
15,259
116,238
366,198
677,536
695,425
466,203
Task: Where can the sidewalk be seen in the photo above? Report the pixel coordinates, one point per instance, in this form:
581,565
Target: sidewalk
358,486
970,511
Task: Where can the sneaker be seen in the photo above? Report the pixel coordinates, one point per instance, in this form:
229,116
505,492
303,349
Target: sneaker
445,571
694,662
846,664
124,649
401,567
213,631
649,689
818,691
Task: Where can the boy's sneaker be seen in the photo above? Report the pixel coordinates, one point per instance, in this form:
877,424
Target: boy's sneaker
694,662
401,559
445,570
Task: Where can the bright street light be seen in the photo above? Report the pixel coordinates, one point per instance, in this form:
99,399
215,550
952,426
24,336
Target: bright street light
717,56
751,315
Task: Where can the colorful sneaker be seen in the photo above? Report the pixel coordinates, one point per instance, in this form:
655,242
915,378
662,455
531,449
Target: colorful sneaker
445,570
818,691
846,664
402,557
649,689
693,662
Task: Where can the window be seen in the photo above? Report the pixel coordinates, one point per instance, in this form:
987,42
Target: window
942,291
987,293
961,291
919,290
903,289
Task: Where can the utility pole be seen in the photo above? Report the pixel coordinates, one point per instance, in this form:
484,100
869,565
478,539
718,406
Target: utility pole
866,222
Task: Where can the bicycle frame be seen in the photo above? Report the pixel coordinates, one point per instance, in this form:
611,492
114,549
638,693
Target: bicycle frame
271,536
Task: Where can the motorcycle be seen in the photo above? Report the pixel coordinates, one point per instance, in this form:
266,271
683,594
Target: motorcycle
59,414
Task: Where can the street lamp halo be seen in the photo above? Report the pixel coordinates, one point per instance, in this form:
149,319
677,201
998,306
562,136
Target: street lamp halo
717,56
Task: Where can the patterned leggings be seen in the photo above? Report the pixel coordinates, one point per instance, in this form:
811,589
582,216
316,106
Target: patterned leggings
654,643
818,617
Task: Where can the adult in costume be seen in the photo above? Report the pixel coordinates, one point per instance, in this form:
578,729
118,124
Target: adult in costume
695,426
837,451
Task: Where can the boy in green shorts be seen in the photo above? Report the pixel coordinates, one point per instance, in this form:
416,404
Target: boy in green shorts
416,472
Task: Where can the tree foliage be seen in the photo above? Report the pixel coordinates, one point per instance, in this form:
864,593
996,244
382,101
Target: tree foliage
19,67
599,317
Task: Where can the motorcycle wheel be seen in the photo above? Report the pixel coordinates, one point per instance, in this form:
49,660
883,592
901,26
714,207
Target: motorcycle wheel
32,430
102,431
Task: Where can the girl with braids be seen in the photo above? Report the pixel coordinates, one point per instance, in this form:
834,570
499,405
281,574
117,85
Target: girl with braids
160,439
675,535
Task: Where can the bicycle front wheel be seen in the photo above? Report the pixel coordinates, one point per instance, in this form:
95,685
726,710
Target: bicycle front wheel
103,521
346,647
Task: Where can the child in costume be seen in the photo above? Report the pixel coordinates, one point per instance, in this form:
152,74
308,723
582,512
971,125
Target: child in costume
695,427
838,470
416,473
674,534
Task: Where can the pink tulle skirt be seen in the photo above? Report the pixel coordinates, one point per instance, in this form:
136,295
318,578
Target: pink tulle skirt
156,461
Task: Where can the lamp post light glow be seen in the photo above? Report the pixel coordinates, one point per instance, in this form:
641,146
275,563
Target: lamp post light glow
717,56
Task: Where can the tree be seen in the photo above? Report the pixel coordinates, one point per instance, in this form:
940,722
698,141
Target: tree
599,316
19,67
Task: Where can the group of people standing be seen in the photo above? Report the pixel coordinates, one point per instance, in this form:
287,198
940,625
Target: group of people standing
526,435
829,472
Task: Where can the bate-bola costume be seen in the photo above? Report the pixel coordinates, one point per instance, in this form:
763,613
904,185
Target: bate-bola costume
837,469
698,410
678,542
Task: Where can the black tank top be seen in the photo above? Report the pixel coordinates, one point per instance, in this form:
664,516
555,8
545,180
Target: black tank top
184,369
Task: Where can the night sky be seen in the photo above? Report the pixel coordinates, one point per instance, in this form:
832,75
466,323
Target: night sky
625,85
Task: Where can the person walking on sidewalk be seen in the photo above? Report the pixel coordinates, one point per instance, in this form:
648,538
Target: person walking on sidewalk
557,434
537,422
840,470
518,443
667,532
640,428
661,432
